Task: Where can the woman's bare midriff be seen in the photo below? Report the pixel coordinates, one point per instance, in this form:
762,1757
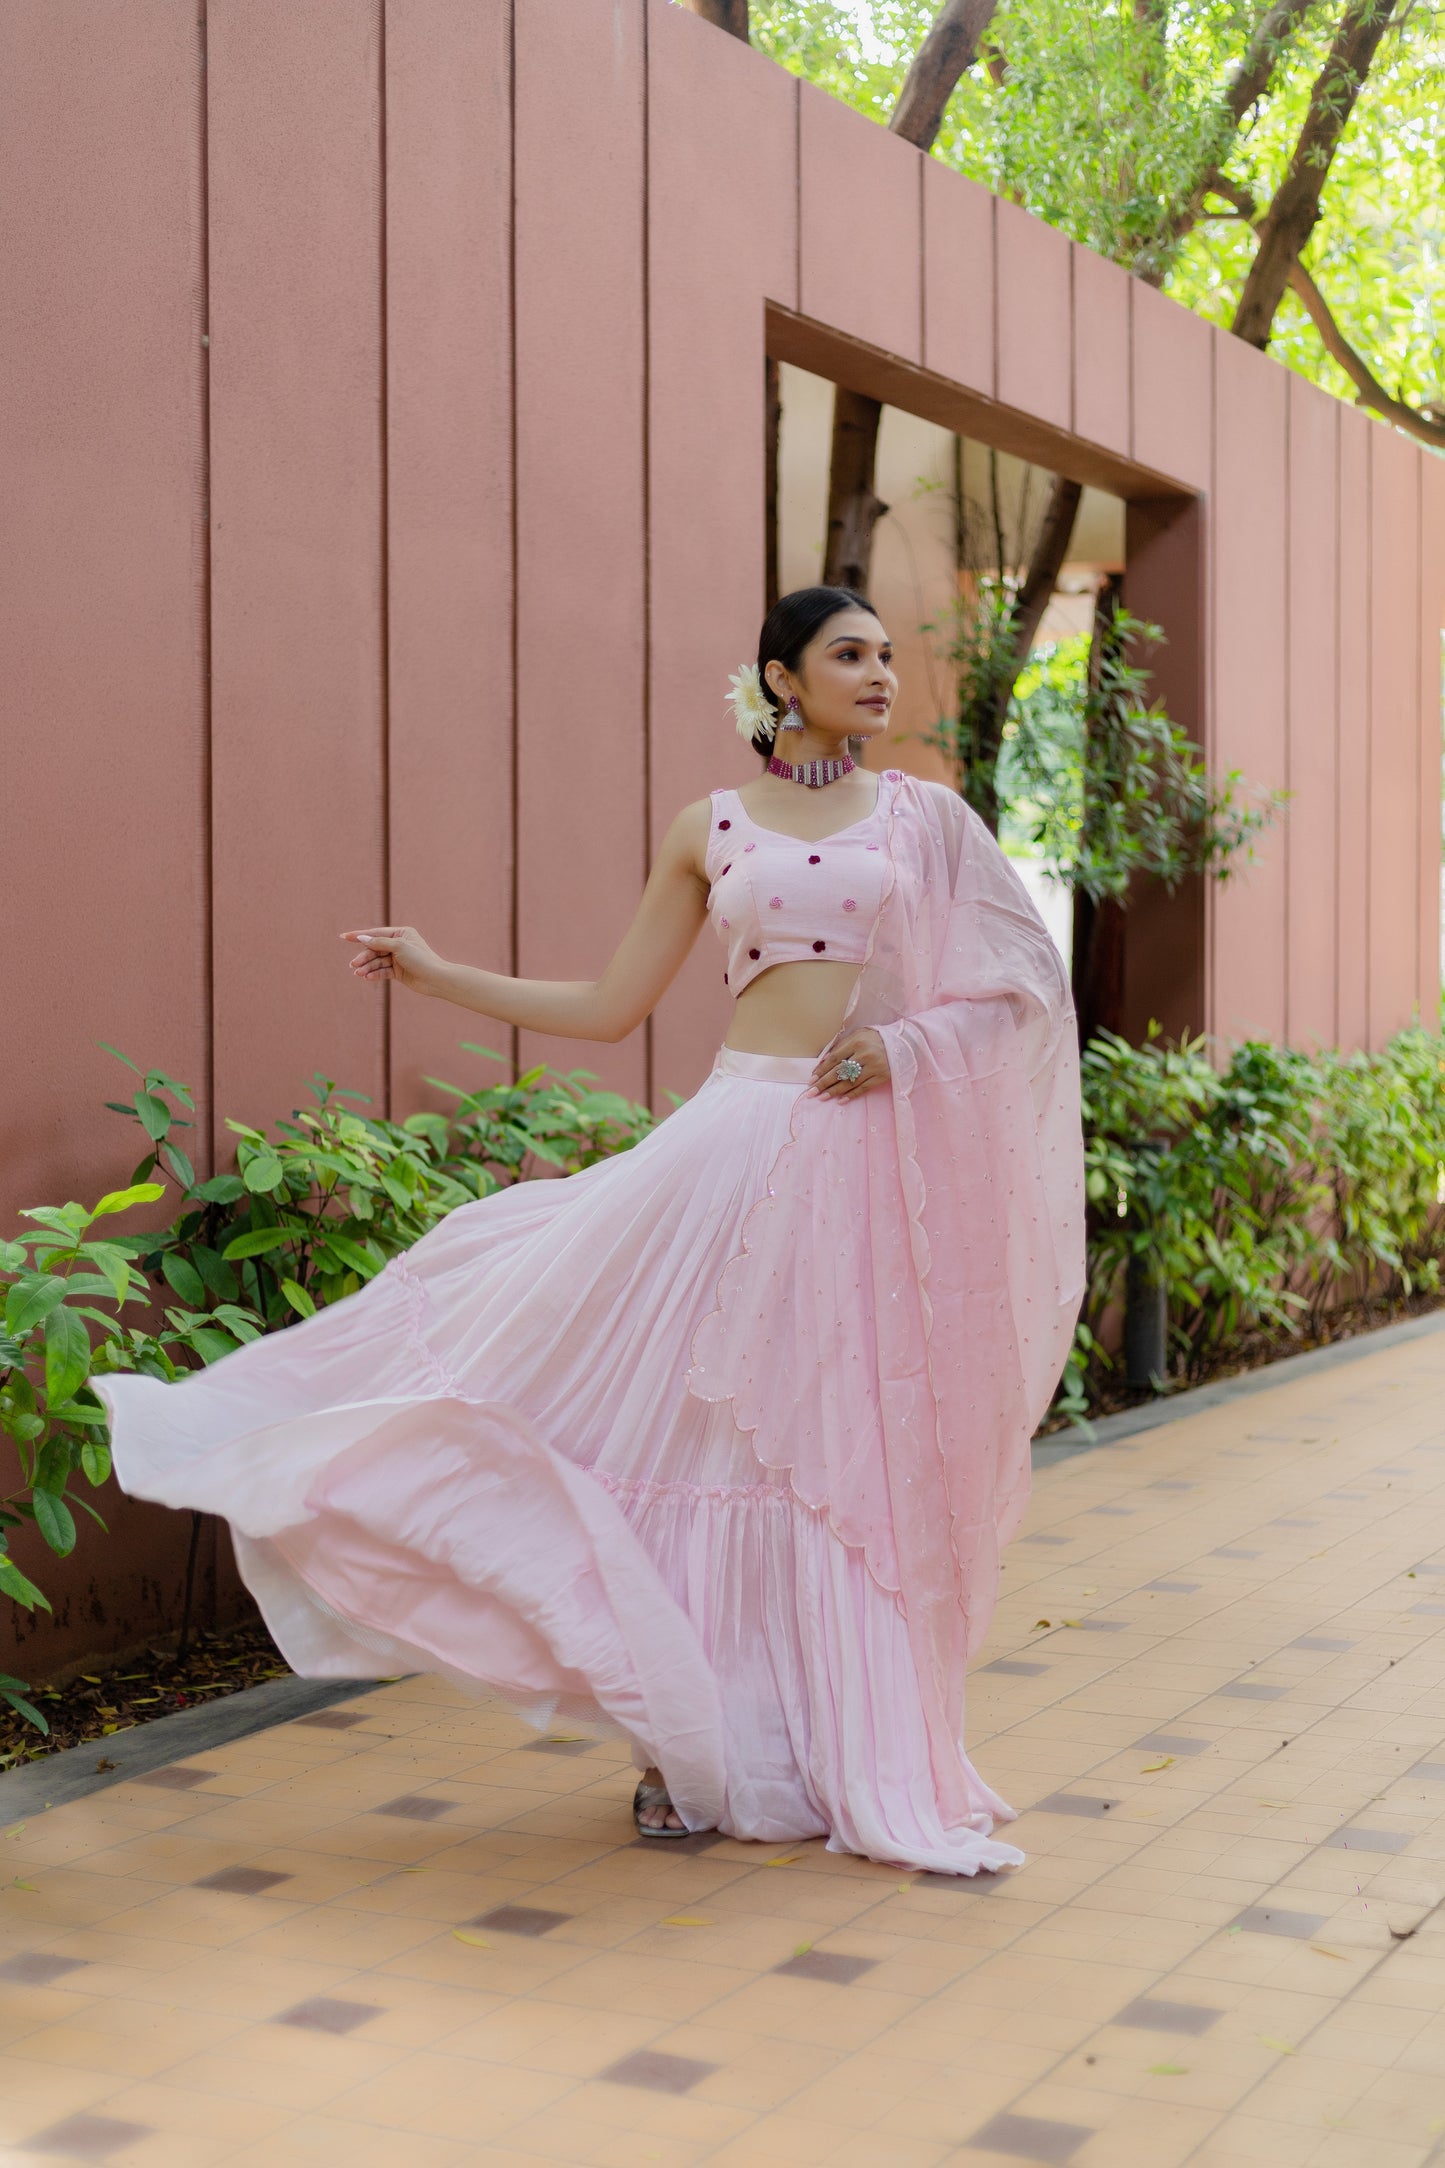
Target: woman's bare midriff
792,1008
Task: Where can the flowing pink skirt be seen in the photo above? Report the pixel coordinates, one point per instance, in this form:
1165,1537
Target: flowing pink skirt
488,1463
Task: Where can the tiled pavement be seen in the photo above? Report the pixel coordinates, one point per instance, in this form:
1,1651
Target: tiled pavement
405,1932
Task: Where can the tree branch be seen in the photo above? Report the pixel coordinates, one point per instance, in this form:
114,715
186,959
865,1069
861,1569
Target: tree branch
942,60
1290,219
1371,392
1248,84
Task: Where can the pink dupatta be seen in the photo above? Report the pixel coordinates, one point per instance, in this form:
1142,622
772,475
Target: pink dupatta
893,1325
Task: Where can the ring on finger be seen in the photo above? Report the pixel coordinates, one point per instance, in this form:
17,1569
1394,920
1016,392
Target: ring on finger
848,1071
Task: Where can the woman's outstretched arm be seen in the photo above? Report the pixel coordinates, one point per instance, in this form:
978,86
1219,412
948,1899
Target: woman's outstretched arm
648,958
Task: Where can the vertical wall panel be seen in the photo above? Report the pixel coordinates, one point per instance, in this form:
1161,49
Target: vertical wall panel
1101,351
103,740
580,600
1249,679
1352,607
1035,316
723,240
1432,725
860,241
1394,730
449,498
1311,818
296,437
102,806
959,279
1165,583
1171,388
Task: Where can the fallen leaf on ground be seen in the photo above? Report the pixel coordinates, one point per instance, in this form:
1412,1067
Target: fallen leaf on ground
789,1859
1281,2047
1320,1951
478,1942
1168,2070
689,1919
1038,1622
1068,1622
1150,1766
18,1884
1090,1591
103,1764
802,1949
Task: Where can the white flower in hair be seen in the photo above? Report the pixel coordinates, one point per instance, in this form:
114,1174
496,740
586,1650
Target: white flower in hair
750,705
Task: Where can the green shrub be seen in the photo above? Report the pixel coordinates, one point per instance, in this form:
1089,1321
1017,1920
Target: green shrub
1268,1194
307,1216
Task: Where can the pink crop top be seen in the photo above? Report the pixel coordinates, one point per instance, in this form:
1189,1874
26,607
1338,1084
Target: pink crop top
774,899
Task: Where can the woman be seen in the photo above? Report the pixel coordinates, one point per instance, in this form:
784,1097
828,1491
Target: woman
715,1441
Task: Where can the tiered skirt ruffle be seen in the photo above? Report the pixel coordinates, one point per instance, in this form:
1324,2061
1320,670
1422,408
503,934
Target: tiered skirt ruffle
488,1463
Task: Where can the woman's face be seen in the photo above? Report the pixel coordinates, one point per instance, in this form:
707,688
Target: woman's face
844,681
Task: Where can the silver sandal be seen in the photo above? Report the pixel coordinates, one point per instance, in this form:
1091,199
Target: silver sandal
653,1795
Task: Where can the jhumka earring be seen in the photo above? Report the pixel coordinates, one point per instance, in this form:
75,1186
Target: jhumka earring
792,716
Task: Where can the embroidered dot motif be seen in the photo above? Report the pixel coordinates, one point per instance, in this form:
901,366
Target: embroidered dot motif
775,903
815,860
820,946
727,868
724,824
849,904
755,953
750,846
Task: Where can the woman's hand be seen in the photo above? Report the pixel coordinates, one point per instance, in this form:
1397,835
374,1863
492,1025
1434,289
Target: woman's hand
395,952
864,1047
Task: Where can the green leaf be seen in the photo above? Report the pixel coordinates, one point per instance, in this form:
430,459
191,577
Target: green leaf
243,1323
118,1055
69,1219
12,1256
350,1253
222,1189
264,1172
257,1241
67,1353
13,1583
121,1200
298,1298
154,1115
112,1263
214,1270
179,1165
209,1343
184,1278
53,1519
31,1299
23,1707
76,1411
95,1460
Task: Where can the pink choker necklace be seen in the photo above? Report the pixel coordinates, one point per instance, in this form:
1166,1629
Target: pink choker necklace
815,773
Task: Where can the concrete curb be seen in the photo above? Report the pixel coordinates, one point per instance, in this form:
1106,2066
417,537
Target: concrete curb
72,1774
1177,1407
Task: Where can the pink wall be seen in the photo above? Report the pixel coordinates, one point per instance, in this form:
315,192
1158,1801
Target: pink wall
414,594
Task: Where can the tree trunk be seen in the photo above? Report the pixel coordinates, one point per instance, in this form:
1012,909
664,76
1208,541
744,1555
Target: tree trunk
854,508
1290,219
1097,963
773,423
947,52
986,724
940,64
729,15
